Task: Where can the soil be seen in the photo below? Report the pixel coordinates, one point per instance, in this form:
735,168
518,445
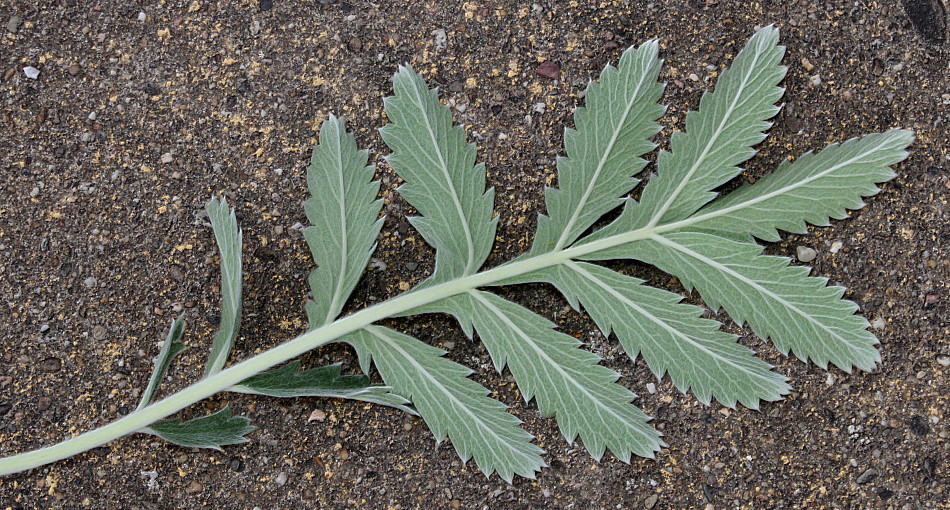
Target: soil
102,242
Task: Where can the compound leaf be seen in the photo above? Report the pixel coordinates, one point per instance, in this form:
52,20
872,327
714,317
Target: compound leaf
228,237
327,381
342,211
442,180
450,403
565,381
604,148
213,431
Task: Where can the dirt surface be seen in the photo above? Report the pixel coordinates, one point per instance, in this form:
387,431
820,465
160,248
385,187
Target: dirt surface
142,110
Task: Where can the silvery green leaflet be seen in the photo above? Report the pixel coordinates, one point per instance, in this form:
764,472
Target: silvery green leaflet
679,224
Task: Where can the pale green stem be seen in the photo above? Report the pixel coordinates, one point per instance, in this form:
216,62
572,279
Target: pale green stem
235,374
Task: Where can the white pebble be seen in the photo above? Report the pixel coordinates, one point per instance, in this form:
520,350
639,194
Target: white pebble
836,247
167,158
281,478
815,80
830,380
441,39
805,254
142,16
317,415
879,323
31,72
651,388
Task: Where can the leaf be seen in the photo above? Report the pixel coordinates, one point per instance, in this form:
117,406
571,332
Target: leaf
719,135
671,336
450,403
171,348
213,431
342,211
228,237
326,381
565,381
604,149
780,302
442,180
813,189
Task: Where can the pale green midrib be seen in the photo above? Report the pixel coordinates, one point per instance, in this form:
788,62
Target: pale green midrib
484,427
660,322
557,366
234,374
702,157
344,251
600,165
470,263
755,285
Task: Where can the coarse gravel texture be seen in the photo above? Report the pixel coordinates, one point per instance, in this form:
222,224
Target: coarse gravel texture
141,110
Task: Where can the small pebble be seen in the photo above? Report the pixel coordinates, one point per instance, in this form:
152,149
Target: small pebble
441,40
74,69
693,77
650,502
194,487
90,282
167,158
456,504
31,72
867,476
448,346
805,254
281,478
343,454
944,361
651,388
549,70
836,247
14,23
879,323
317,415
815,80
265,5
44,328
308,494
50,365
142,17
807,65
